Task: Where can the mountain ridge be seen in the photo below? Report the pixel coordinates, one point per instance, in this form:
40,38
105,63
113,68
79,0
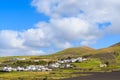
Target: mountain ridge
117,44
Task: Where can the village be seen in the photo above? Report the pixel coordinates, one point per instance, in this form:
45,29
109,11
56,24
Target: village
48,67
62,64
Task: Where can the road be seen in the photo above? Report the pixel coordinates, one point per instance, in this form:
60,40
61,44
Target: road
98,76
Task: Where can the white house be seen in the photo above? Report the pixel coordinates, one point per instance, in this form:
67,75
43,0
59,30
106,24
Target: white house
73,60
103,65
65,66
84,59
59,61
20,59
54,65
7,69
79,59
19,68
36,60
28,68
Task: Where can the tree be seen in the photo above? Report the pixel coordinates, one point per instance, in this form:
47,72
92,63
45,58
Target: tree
107,63
46,78
69,57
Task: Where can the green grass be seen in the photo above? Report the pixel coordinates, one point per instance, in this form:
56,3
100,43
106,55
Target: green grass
24,75
92,63
88,66
71,52
53,75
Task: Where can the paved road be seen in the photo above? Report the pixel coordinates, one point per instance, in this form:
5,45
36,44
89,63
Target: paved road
98,76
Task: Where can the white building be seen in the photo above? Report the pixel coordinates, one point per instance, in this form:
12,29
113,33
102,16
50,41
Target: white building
54,65
103,65
7,69
36,60
65,66
21,59
19,68
79,59
28,68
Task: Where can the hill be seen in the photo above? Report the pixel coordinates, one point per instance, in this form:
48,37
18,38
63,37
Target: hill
117,44
72,52
110,52
110,55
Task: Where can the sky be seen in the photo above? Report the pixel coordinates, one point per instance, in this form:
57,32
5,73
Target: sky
41,27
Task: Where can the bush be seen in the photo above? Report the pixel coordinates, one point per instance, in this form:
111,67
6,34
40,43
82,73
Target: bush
26,63
46,78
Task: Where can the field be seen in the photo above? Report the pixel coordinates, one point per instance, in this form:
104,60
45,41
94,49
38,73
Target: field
54,75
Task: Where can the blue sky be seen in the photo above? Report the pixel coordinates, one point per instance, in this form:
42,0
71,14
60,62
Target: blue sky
37,27
18,15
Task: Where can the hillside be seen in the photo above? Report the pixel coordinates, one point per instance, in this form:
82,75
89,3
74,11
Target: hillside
110,55
117,44
110,52
72,52
103,54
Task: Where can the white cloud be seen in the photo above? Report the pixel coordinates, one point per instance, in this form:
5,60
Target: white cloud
70,21
94,11
74,28
62,45
10,39
57,8
16,52
12,43
58,33
67,30
34,38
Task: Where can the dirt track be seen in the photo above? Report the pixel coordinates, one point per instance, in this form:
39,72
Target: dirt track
98,76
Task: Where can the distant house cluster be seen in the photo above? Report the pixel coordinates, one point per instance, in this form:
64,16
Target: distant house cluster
79,59
48,67
58,65
66,62
28,68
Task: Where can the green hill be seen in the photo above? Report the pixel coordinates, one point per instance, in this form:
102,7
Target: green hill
106,53
110,55
72,52
117,44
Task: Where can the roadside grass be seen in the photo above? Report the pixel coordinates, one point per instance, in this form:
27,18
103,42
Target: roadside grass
53,75
23,75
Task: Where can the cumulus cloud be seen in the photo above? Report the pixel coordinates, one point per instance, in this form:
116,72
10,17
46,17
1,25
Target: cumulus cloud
10,39
34,38
70,21
58,33
12,43
63,31
94,11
